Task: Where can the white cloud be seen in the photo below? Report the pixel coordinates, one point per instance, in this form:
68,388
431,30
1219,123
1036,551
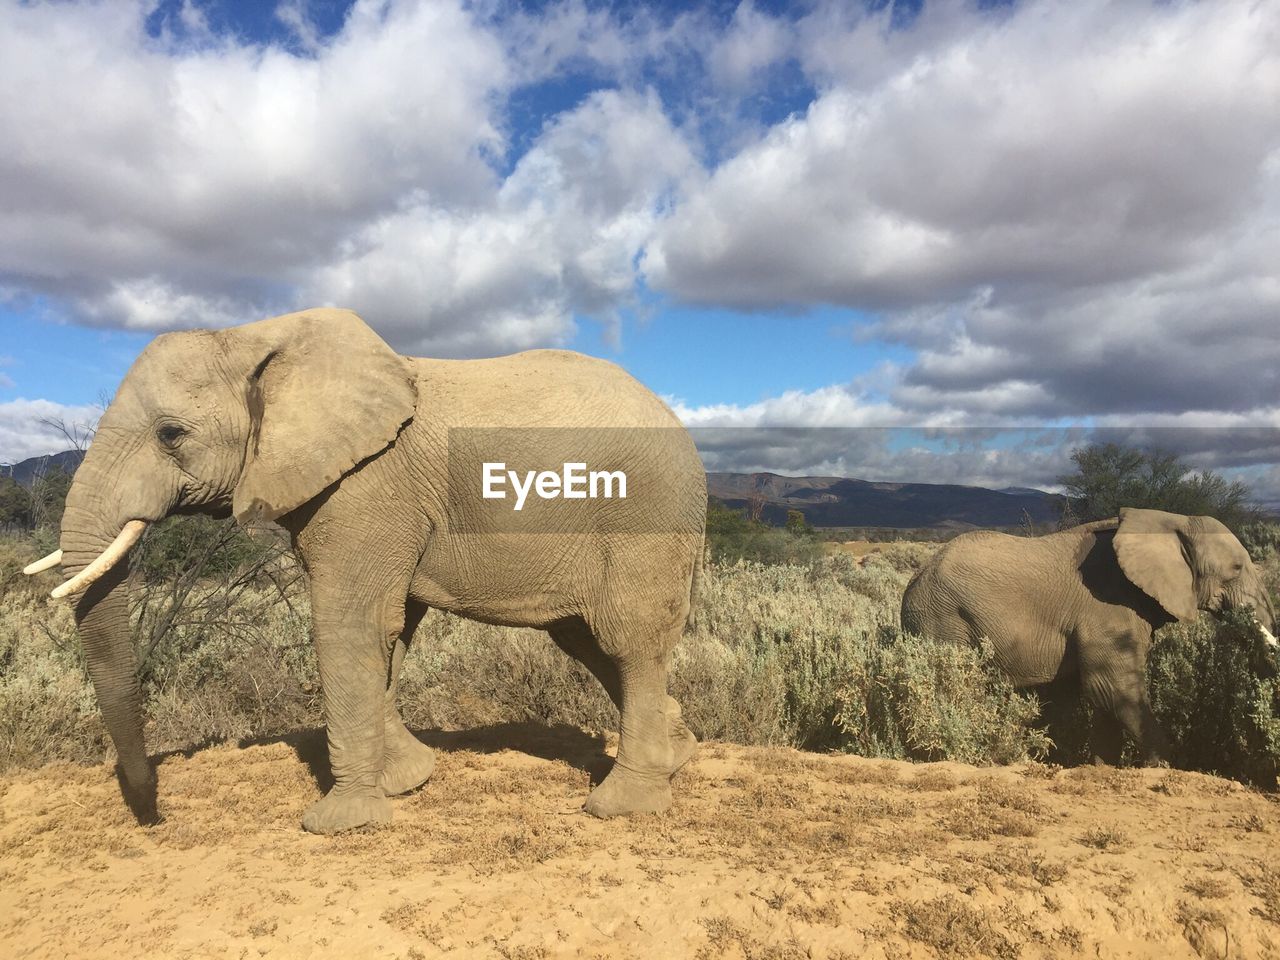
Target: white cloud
1041,200
1065,209
752,43
841,430
29,428
224,172
559,237
165,184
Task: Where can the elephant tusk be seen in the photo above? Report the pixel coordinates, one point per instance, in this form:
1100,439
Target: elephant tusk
109,557
46,563
1267,636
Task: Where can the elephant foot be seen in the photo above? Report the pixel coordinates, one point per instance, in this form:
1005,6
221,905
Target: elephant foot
345,809
407,763
683,742
623,793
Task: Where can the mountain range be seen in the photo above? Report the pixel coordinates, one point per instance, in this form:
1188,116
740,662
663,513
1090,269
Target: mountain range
26,471
848,502
824,501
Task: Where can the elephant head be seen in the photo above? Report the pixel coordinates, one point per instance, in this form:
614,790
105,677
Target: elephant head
252,421
1189,564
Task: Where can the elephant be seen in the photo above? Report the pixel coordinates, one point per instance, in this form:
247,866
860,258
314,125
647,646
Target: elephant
1077,608
378,468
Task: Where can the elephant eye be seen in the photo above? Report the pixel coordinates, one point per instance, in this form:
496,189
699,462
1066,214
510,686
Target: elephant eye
170,434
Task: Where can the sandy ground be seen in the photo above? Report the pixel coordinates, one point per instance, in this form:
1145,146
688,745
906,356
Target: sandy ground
767,853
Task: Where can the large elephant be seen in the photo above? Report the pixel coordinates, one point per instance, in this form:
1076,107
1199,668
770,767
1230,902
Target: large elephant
1078,607
382,468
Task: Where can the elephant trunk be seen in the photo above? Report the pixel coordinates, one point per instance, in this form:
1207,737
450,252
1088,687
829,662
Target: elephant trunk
102,617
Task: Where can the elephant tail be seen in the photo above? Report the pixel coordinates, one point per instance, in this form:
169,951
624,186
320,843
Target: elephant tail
695,581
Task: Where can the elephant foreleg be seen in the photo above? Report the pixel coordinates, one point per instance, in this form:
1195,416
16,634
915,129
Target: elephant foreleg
1106,739
354,643
407,762
1136,717
1117,687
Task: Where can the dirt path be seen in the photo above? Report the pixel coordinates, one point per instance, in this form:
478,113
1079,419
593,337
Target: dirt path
767,853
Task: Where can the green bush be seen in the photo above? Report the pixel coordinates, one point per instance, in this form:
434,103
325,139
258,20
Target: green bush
811,657
732,536
200,544
909,698
1262,539
15,502
1214,689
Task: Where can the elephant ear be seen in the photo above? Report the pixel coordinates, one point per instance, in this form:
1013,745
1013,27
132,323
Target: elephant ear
1152,550
324,393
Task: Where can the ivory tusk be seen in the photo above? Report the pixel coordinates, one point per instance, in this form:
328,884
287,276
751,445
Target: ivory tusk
1267,636
109,557
46,563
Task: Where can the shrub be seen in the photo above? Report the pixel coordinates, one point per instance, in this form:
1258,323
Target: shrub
905,557
200,544
804,655
1262,539
732,536
47,708
911,698
15,502
1214,689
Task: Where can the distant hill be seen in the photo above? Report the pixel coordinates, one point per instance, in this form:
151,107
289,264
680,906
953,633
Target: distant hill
825,501
26,471
847,502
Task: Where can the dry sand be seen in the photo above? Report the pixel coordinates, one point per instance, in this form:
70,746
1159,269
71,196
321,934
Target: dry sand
767,853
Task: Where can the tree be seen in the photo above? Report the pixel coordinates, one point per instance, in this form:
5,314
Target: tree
49,497
797,525
732,536
15,502
1109,476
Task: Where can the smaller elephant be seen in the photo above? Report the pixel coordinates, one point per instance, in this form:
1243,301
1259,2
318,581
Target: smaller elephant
1078,607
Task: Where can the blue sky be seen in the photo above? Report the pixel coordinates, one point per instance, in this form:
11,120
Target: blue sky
700,356
779,216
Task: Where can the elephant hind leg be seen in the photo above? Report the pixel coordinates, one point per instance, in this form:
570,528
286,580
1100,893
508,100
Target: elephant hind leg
653,740
574,637
407,762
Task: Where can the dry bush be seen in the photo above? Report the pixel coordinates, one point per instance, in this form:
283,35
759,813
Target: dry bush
954,928
47,708
905,557
807,656
1104,837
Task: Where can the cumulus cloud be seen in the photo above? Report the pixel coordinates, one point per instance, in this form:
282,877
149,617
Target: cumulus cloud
1064,210
159,184
32,428
1064,206
846,431
558,238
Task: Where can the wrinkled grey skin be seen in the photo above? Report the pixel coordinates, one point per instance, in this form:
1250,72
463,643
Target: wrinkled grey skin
312,421
1077,608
